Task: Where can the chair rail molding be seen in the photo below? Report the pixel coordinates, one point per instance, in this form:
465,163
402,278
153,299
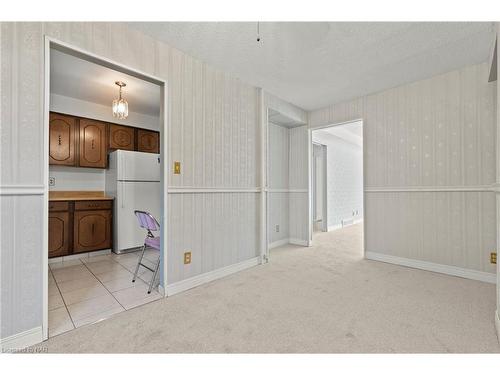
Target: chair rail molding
456,188
194,190
22,190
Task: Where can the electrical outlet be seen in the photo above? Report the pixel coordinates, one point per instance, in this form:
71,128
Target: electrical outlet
52,181
493,258
177,167
187,257
277,228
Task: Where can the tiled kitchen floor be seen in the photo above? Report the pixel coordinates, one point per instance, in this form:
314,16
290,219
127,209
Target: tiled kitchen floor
88,290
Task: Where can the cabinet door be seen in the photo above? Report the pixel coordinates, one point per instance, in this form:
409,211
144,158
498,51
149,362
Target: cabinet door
92,230
62,139
121,137
58,234
92,144
148,141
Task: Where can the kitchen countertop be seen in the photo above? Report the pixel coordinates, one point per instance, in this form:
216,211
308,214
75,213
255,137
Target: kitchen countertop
78,196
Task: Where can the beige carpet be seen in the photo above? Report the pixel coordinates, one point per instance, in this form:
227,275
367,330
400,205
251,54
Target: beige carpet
321,299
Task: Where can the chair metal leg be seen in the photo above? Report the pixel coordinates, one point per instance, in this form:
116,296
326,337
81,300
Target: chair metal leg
139,263
154,276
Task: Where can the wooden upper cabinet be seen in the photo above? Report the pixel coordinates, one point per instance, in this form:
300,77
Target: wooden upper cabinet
148,141
62,144
93,150
92,230
121,137
58,233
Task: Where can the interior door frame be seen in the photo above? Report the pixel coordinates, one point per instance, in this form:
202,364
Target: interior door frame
50,42
324,151
310,166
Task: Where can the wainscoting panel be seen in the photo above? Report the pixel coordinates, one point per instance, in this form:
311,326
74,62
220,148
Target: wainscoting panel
449,228
21,260
213,130
429,159
219,229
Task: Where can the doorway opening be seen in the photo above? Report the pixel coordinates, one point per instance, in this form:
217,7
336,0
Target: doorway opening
337,178
104,162
287,181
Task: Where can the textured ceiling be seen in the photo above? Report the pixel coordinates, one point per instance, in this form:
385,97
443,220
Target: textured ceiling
80,79
314,64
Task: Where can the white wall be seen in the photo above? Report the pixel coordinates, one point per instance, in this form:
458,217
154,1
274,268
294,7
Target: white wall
344,178
279,142
296,195
82,108
78,179
497,317
299,184
288,184
429,167
214,131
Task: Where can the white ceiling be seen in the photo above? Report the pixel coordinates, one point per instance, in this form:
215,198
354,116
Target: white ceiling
81,79
314,64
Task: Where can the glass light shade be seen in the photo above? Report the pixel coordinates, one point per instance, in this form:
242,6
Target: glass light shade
120,108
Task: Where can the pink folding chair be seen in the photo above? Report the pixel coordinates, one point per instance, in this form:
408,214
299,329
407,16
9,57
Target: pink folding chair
148,222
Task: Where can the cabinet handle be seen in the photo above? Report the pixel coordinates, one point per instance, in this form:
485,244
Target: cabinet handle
92,228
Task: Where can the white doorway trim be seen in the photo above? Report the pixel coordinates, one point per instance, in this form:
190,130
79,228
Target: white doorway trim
51,42
324,172
310,166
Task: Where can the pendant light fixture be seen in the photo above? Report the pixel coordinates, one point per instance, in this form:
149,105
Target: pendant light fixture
120,105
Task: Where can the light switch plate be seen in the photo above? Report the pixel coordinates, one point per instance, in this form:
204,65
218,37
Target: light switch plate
52,181
187,257
177,167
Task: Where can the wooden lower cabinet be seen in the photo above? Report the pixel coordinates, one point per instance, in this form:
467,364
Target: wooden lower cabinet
59,234
79,226
92,230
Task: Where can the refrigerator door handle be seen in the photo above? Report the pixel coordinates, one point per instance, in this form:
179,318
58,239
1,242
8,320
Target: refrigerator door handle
123,195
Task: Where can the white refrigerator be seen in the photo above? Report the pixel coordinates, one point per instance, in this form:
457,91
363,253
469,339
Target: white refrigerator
133,179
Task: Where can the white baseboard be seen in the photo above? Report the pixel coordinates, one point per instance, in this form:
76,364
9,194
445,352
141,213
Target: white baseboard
67,258
284,241
21,340
434,267
339,226
161,290
195,281
297,241
334,227
497,324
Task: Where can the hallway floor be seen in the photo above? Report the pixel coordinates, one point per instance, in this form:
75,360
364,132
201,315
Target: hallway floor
321,299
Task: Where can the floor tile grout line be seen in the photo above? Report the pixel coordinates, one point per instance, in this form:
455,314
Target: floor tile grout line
132,286
139,276
101,283
105,286
64,302
142,304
